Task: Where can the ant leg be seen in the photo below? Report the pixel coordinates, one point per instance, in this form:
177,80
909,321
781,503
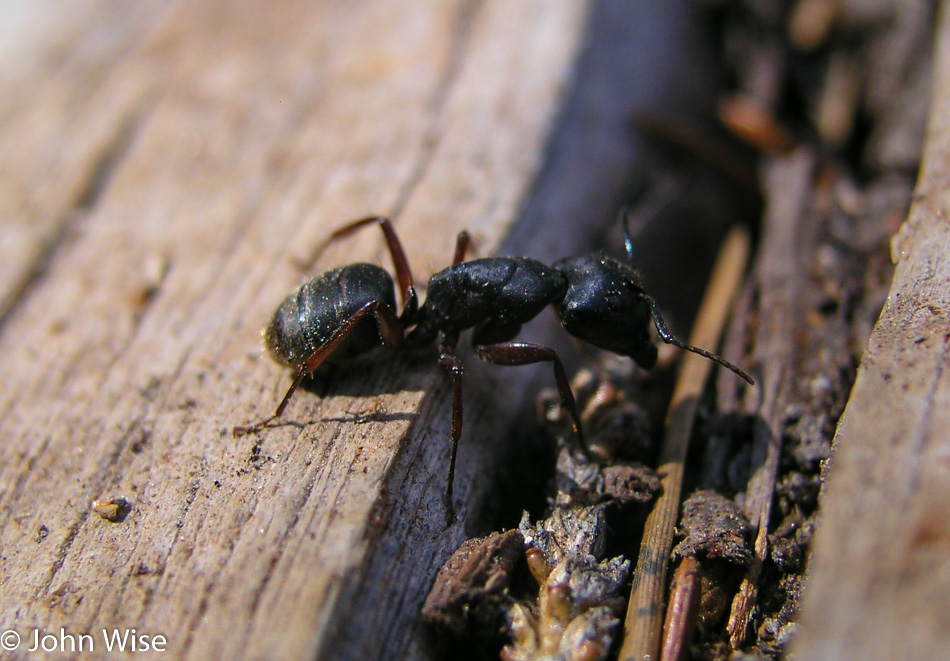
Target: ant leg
407,290
668,338
524,353
462,243
390,330
450,363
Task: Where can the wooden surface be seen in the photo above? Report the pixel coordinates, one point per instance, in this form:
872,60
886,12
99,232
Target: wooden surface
880,579
166,168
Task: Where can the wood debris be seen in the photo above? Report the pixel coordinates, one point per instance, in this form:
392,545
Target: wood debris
472,587
112,509
571,606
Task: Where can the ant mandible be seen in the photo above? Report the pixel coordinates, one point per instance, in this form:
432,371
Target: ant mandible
599,300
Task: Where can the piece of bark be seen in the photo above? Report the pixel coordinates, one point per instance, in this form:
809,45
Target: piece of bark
472,588
714,528
171,171
879,585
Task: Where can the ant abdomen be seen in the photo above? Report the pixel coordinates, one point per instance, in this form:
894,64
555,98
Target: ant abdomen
310,315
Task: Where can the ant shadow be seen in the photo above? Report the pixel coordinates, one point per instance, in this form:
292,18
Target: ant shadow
379,372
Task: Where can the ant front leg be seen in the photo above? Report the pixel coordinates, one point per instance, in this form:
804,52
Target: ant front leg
525,353
390,331
450,363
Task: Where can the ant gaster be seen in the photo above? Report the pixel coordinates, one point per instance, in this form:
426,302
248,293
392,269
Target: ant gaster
599,300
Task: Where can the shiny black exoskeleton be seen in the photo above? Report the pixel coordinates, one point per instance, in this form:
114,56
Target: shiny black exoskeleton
605,306
494,296
309,317
600,300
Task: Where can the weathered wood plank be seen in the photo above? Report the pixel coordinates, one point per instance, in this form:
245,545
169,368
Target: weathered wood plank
879,586
66,114
230,137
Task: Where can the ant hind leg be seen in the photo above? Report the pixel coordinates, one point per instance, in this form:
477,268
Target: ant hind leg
390,330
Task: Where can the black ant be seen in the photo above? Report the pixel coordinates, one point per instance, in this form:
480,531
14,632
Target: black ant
599,300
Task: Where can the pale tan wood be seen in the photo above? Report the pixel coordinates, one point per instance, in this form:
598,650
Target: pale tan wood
66,113
879,585
167,193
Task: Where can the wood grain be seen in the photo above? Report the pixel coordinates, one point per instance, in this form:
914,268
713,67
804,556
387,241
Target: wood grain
166,169
879,586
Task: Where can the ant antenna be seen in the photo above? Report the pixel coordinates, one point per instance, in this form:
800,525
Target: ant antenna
668,338
658,196
625,231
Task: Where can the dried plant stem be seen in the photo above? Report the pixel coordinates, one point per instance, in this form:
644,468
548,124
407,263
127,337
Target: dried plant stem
788,185
643,625
683,612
